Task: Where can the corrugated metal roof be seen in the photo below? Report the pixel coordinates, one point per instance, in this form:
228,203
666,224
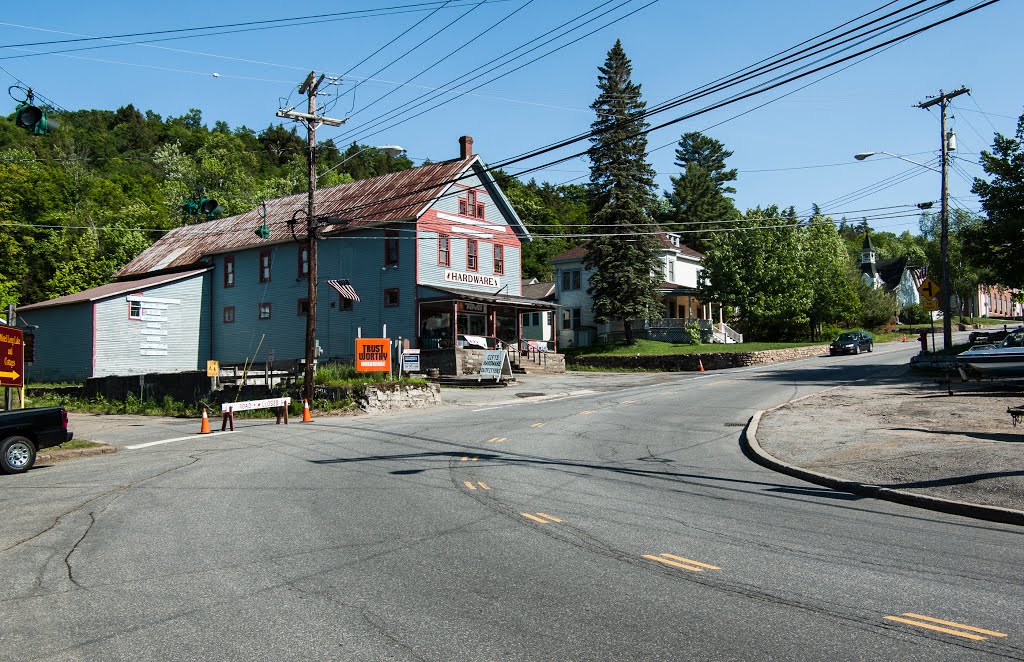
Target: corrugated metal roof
392,197
113,289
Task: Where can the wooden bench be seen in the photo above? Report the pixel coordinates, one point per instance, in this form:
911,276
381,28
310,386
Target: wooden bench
279,405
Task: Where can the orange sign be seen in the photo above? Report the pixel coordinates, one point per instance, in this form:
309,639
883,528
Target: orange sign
373,355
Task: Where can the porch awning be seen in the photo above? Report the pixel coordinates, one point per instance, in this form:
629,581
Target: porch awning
435,293
344,288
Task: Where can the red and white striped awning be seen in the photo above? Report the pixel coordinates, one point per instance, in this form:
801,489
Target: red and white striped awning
344,288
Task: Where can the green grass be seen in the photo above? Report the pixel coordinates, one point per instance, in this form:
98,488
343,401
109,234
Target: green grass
74,444
339,375
984,321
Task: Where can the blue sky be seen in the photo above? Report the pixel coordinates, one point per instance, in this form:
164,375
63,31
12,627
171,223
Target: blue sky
794,151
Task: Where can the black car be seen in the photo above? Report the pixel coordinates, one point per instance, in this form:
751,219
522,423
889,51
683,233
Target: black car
25,431
851,342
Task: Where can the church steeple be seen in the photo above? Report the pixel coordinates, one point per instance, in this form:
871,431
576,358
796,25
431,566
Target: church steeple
867,262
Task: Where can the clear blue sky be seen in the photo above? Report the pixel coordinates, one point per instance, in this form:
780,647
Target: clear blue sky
783,151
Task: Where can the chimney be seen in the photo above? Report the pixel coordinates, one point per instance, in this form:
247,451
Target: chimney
465,147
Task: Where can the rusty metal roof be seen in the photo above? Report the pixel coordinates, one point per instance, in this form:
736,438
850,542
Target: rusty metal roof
396,196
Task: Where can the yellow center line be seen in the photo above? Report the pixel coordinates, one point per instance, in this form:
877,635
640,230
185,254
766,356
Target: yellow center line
473,459
483,485
690,561
549,517
587,411
956,625
492,440
535,519
672,563
935,627
667,392
469,484
464,459
537,425
628,402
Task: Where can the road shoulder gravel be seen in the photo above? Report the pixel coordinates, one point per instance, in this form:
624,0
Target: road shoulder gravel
904,440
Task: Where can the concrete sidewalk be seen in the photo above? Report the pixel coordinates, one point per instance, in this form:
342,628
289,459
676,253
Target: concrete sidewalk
906,435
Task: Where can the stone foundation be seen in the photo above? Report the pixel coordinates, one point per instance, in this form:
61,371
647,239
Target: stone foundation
380,399
691,362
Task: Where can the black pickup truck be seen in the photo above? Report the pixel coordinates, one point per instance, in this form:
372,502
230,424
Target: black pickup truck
25,431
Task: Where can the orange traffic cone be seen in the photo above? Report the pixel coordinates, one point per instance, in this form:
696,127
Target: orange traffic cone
204,427
700,363
904,338
306,416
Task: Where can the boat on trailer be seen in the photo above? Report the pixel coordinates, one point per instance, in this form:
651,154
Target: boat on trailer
996,361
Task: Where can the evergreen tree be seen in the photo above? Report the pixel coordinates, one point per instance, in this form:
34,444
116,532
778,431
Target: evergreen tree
997,243
626,269
698,201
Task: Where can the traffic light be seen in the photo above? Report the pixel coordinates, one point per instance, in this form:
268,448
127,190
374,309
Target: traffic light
202,205
34,119
263,231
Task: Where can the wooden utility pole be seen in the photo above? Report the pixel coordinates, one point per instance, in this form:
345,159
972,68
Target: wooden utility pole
311,120
947,318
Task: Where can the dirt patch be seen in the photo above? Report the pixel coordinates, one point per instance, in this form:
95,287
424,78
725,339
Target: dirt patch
908,436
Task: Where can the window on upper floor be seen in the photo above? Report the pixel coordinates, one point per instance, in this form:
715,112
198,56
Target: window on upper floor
390,298
229,271
572,279
390,247
263,312
135,308
265,266
303,262
472,262
671,270
444,250
344,303
499,259
229,314
471,205
302,307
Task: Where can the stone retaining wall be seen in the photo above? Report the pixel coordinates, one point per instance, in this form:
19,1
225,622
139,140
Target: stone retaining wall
691,362
378,399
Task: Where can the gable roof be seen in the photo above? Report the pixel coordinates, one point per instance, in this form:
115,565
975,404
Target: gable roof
580,252
113,289
891,271
542,290
396,196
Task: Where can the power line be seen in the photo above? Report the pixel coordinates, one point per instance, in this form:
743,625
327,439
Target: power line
217,31
450,54
455,81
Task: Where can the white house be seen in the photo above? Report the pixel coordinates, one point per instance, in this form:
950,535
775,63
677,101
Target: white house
680,267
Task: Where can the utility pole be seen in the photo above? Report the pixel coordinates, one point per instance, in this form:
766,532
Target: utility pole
311,120
947,319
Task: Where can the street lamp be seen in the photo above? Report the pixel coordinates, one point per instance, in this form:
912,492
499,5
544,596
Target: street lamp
390,150
864,155
949,144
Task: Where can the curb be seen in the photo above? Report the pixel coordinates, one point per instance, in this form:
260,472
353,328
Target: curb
752,449
75,453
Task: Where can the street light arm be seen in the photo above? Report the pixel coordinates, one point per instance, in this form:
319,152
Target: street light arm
393,150
864,155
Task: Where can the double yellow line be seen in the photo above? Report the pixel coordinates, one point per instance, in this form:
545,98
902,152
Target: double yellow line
547,519
680,562
927,622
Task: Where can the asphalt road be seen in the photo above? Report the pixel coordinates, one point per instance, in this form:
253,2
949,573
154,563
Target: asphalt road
616,521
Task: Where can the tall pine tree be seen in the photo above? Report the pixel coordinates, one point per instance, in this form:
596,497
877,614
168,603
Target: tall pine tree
623,254
698,200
